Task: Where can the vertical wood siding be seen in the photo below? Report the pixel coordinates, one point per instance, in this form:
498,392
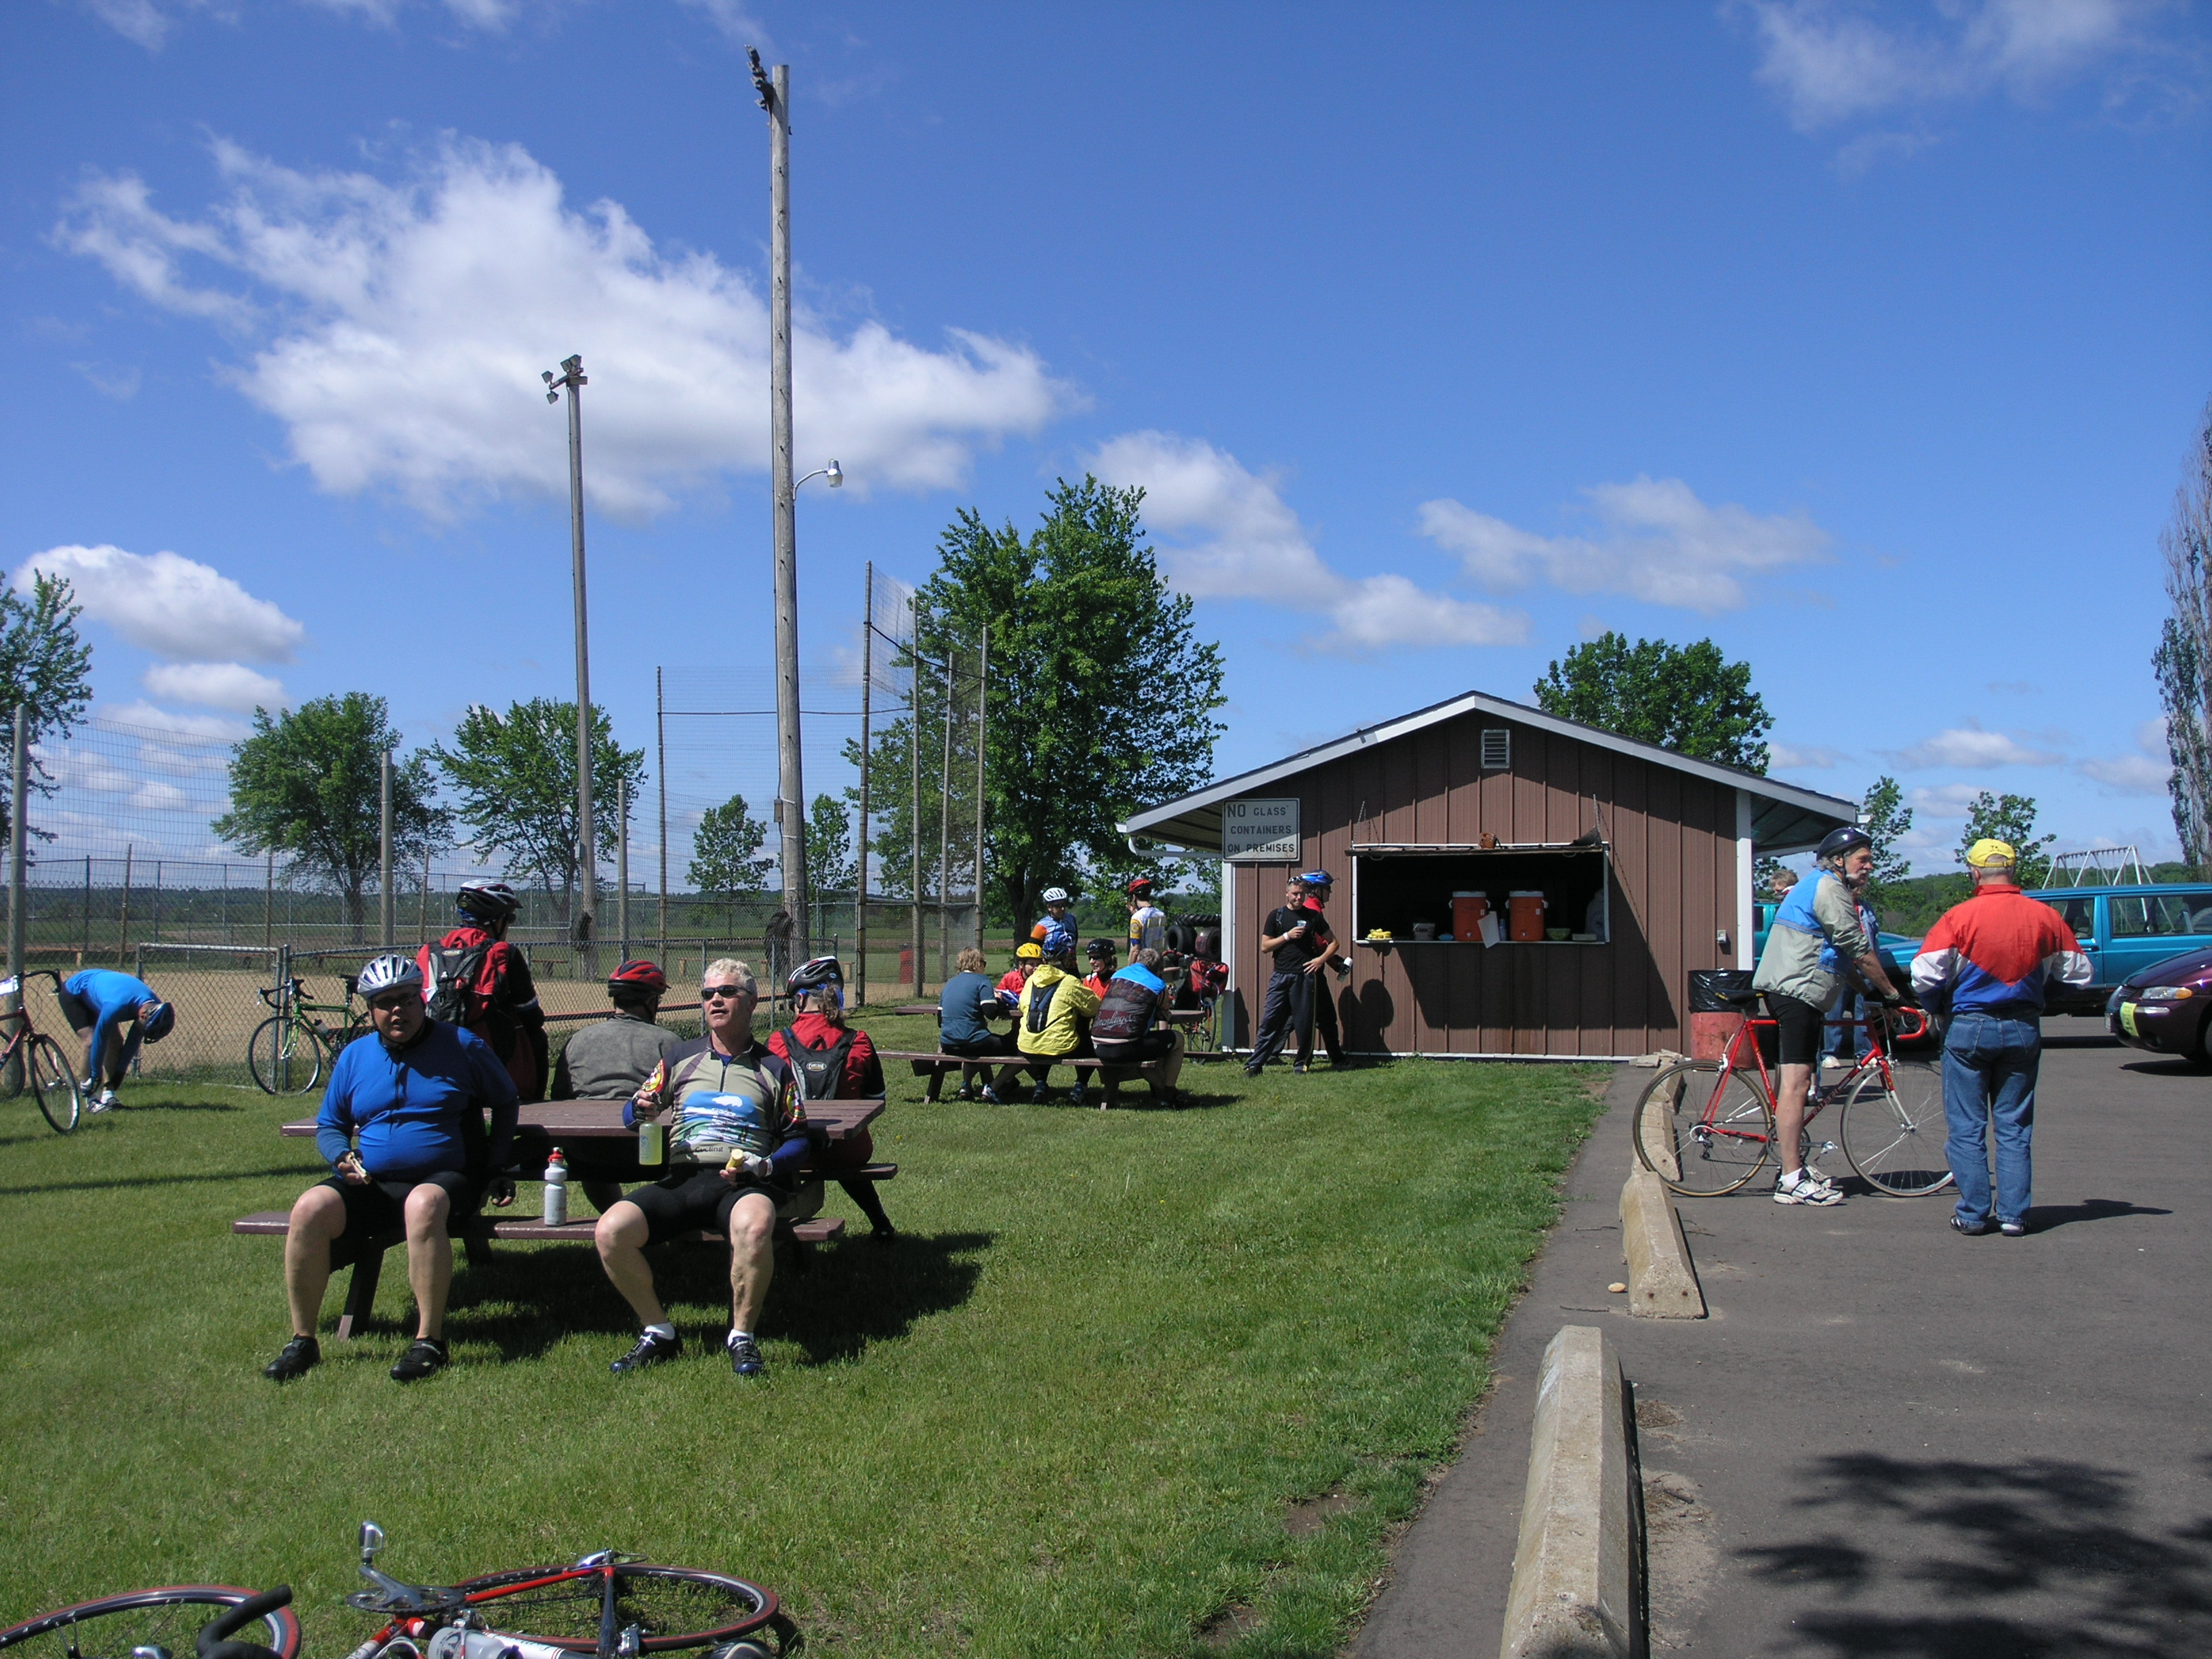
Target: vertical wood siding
1673,839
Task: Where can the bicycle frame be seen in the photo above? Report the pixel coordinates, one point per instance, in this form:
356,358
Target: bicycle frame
1876,1059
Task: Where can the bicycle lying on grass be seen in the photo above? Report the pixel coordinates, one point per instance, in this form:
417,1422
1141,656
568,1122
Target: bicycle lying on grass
40,1061
607,1605
288,1050
1706,1128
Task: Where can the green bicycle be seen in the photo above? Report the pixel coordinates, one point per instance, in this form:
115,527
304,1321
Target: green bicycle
288,1050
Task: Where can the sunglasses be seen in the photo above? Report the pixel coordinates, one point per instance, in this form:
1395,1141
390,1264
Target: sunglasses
722,993
393,1005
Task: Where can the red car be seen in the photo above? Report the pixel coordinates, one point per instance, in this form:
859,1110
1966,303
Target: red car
2166,1007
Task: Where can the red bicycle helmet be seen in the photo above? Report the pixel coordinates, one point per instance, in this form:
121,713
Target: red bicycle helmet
639,974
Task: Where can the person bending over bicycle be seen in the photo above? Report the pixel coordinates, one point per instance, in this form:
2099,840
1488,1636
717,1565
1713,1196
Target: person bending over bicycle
98,1003
1814,945
414,1091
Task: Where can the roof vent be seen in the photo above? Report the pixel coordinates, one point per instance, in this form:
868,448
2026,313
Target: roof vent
1497,750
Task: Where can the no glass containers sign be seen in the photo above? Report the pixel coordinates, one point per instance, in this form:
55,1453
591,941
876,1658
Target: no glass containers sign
1260,830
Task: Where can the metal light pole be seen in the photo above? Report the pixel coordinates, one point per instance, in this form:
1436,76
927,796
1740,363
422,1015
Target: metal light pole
774,92
572,378
384,849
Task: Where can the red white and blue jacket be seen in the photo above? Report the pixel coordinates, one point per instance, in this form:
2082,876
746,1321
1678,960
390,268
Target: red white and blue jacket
1994,954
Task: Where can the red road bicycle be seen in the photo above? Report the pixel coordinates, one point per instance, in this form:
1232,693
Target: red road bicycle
1706,1127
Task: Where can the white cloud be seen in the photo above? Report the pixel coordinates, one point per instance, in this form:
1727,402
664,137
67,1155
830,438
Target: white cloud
121,383
145,714
140,21
1659,544
1240,540
400,329
214,685
173,606
1969,746
2143,772
1832,63
1790,756
735,19
1948,800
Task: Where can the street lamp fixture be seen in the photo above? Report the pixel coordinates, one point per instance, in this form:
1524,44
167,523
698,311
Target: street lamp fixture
833,472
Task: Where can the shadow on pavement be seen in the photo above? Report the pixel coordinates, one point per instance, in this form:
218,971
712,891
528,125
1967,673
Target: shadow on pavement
2188,1068
2027,1561
2043,1216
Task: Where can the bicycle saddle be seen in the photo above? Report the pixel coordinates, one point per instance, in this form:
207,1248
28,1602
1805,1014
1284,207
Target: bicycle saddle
1739,996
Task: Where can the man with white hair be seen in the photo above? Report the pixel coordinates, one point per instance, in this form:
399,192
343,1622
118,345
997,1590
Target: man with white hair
1985,964
1816,943
735,1147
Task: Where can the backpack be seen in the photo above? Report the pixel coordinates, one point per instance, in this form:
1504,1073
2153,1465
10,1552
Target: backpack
452,977
821,1071
1040,1015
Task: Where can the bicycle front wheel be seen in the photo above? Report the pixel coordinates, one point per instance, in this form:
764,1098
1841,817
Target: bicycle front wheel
1893,1135
168,1619
284,1059
675,1607
1702,1133
53,1080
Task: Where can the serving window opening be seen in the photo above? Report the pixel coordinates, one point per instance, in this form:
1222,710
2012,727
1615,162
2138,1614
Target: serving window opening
1468,895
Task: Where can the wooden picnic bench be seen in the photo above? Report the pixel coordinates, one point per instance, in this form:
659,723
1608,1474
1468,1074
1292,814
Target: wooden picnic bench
935,1066
598,1148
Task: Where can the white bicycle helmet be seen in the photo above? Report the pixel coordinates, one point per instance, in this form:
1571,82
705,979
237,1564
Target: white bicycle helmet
1055,895
486,901
390,972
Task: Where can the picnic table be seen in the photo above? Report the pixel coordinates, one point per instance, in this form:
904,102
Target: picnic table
598,1148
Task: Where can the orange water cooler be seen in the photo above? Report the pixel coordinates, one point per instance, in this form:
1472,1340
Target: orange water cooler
1526,911
1469,910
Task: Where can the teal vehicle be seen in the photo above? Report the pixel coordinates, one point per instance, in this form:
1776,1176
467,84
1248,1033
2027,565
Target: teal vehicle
2124,930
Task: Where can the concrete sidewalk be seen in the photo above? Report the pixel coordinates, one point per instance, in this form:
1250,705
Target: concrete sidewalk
1889,1439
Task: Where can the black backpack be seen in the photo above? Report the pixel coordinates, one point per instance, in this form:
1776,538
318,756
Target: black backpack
1040,1005
821,1070
450,988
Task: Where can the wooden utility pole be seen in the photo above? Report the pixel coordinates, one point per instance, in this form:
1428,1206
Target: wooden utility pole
572,378
384,894
982,723
861,883
945,836
774,91
913,757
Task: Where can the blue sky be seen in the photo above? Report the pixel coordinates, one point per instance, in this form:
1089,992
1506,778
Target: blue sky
1867,340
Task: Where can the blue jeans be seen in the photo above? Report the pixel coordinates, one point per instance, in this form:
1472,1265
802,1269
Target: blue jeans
1989,1076
1846,1042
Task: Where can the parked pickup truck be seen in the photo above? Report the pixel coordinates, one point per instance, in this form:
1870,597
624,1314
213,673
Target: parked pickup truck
2123,930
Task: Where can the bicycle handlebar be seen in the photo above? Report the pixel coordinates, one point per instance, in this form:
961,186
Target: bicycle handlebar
214,1640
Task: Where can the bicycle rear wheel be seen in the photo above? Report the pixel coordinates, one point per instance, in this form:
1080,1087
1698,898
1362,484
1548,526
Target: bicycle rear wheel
1894,1136
168,1619
1703,1133
285,1060
53,1080
676,1607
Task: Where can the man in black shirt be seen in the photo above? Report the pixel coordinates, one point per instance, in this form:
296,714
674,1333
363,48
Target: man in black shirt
1300,940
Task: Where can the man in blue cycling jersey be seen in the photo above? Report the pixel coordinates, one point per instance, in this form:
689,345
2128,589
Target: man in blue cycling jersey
101,1002
414,1092
1815,944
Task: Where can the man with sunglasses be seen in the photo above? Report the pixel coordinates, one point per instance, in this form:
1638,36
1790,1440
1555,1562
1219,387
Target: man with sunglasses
413,1094
735,1144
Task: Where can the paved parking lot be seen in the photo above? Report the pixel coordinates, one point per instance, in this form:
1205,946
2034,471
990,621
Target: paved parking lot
1888,1439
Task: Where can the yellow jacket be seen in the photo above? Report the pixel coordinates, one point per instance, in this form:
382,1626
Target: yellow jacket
1069,997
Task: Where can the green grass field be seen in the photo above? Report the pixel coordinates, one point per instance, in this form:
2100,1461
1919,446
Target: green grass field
1144,1382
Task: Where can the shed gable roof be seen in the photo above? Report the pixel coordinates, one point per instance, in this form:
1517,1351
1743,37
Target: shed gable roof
1785,818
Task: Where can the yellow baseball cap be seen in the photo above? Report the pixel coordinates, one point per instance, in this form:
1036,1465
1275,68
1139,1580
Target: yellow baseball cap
1030,952
1988,855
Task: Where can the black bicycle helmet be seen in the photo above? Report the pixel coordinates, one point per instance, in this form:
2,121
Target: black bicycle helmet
486,901
817,973
1837,843
160,1023
1099,950
641,976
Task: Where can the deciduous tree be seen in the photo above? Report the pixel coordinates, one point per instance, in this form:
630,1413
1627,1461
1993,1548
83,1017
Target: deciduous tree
830,863
2011,819
1100,697
1886,817
726,851
45,667
305,786
1690,699
515,774
2184,659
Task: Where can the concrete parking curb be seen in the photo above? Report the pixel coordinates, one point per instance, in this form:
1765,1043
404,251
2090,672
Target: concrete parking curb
1658,1136
1574,1591
1661,1283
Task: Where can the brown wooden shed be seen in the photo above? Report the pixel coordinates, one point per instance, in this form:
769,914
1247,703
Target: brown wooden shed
1643,859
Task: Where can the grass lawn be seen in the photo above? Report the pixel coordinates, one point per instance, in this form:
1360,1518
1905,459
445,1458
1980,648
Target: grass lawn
1147,1381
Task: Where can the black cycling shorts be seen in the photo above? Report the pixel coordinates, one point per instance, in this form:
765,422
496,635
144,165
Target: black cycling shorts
991,1045
1153,1045
1800,1025
380,1206
697,1198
